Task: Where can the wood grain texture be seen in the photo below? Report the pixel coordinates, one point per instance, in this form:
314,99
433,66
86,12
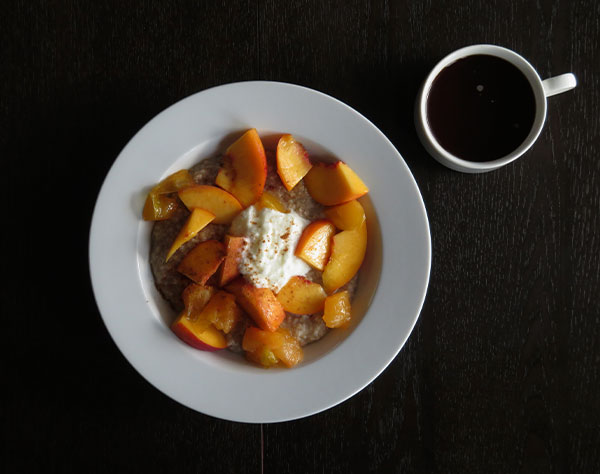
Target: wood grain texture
501,372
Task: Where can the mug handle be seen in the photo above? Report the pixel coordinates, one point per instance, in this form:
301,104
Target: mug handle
559,84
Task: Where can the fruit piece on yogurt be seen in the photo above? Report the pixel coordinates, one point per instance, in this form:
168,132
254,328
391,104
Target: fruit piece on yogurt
244,169
338,310
212,199
270,200
347,216
292,161
314,245
198,219
333,184
302,296
260,303
347,253
202,261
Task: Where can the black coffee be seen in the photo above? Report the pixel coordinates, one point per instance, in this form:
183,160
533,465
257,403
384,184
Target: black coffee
480,108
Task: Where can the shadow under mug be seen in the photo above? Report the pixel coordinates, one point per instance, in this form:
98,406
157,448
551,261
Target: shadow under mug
541,90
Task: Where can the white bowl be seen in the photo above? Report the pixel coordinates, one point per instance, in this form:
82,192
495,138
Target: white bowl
392,282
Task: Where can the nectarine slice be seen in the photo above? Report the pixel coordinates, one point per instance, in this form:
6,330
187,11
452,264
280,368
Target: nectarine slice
314,245
270,200
195,297
302,296
338,310
347,253
199,336
233,253
174,182
244,169
198,219
202,261
267,348
333,184
158,206
348,216
260,303
212,199
262,356
292,161
222,311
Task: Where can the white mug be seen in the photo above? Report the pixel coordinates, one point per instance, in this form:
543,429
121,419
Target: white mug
541,90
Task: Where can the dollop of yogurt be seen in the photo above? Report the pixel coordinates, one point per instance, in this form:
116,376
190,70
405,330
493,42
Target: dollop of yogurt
268,259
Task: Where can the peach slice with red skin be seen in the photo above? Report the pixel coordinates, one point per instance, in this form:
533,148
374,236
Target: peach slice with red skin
199,336
212,199
338,310
292,161
233,254
222,311
244,169
314,245
202,261
302,296
347,216
198,220
348,250
159,206
191,327
268,348
260,303
333,184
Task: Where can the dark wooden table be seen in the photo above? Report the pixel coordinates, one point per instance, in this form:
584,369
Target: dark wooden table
501,373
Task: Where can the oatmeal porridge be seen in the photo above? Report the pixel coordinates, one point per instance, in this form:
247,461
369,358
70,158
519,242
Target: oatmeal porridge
258,250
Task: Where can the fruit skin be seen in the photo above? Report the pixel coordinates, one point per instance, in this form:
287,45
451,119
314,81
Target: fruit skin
191,327
212,199
202,261
314,245
347,216
292,161
205,338
270,200
302,296
265,348
260,303
198,220
222,311
333,184
348,250
338,310
233,253
244,169
159,206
